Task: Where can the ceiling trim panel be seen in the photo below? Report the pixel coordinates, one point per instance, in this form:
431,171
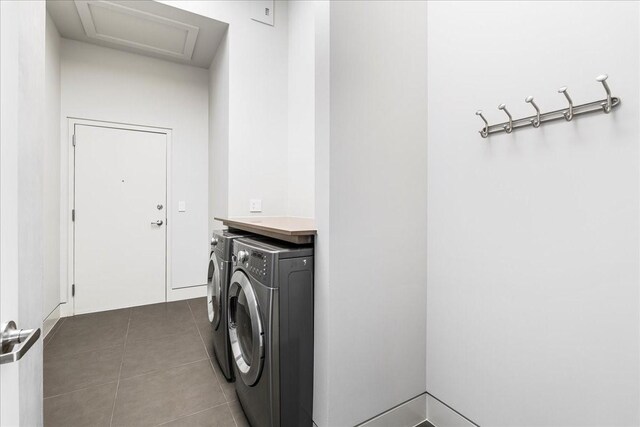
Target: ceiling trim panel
87,19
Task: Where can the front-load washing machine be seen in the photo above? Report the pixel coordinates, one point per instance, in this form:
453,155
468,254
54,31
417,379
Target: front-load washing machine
217,286
270,306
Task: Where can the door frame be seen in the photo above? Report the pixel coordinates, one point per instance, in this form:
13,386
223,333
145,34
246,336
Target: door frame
69,301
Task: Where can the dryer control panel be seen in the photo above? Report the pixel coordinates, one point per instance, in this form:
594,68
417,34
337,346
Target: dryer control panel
263,258
258,263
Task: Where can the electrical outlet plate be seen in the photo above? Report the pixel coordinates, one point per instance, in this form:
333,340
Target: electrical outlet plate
255,205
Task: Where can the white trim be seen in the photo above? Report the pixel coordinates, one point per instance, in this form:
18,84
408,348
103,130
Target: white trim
84,10
50,321
68,307
408,414
65,292
440,415
180,294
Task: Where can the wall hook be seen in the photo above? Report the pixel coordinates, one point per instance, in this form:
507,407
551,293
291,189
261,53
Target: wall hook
606,106
535,122
508,128
568,115
485,131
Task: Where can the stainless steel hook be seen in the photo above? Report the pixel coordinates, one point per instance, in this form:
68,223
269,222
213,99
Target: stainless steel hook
484,132
535,122
606,106
508,128
568,115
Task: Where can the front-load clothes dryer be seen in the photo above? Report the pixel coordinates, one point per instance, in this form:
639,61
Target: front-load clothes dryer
217,286
270,306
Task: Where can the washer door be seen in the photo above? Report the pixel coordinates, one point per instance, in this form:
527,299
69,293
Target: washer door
245,328
214,305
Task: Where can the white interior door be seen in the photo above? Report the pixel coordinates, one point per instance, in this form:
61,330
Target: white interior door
120,218
21,214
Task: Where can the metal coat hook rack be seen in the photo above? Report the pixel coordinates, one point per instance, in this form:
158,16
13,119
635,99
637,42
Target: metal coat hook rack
606,105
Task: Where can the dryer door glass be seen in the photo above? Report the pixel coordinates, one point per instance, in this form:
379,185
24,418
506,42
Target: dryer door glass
214,305
243,325
245,328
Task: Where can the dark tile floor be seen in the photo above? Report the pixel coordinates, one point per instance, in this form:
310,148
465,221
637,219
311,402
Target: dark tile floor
144,366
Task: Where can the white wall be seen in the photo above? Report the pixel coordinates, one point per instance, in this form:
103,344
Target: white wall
258,94
370,350
269,150
219,135
322,154
51,177
105,84
533,259
301,108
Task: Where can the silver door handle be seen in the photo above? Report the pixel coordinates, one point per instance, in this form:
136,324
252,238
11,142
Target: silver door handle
158,222
16,342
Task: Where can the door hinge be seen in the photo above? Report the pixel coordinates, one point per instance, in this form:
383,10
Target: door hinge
74,140
73,290
73,215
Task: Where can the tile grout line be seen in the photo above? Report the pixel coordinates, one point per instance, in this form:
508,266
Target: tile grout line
116,345
65,356
206,351
195,413
136,376
164,369
155,371
160,337
213,368
124,349
78,352
211,364
79,389
233,416
199,333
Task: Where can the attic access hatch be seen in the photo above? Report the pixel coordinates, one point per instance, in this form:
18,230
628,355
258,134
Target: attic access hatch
133,28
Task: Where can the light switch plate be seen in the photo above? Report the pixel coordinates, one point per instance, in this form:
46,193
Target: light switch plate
255,205
182,206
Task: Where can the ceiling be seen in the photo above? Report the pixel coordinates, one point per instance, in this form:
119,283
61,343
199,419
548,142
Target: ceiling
144,27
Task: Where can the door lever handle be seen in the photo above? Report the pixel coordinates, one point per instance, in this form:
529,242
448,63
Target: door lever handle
16,342
158,222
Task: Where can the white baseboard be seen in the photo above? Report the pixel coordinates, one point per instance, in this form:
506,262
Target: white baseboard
408,414
50,321
66,310
172,295
415,411
440,415
187,293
